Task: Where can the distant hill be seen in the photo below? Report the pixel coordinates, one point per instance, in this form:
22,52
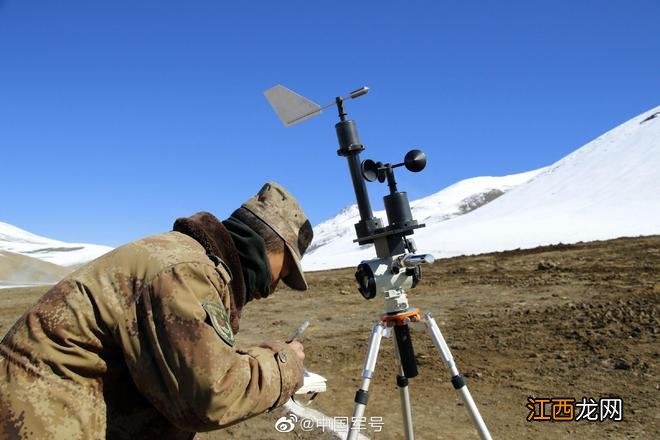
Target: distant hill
19,241
17,269
26,258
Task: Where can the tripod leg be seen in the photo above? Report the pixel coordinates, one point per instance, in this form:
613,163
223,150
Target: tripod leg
402,384
456,378
362,395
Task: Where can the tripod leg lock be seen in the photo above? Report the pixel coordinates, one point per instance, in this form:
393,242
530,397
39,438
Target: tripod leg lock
458,381
401,381
362,397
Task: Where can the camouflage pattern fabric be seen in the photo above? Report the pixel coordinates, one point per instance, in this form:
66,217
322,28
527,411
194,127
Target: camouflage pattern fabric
126,347
276,207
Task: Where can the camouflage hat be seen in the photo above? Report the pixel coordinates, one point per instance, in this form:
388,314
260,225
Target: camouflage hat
276,207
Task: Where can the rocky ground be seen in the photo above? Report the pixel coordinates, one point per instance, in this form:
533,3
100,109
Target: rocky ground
578,321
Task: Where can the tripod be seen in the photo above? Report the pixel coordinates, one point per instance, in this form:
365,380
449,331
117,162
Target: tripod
396,267
408,369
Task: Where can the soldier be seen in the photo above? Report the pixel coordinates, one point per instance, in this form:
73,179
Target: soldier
140,342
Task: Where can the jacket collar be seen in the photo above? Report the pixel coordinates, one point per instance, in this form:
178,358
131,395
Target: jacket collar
216,240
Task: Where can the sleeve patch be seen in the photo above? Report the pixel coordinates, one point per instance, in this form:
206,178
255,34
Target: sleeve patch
220,321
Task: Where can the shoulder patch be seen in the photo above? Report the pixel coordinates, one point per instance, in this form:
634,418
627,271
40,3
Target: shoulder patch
220,321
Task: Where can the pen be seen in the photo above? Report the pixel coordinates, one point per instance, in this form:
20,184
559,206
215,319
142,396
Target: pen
298,332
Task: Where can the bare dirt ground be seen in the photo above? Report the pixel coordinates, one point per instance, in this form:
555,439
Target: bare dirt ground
556,322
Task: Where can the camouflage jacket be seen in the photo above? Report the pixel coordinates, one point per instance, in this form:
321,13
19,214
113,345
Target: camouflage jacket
137,344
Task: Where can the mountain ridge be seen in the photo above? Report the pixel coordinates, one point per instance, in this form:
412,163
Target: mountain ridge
19,241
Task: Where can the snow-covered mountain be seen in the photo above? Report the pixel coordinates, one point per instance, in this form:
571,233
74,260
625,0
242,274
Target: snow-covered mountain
19,241
332,236
608,188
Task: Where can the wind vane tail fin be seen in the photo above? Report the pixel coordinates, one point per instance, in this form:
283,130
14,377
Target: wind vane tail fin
289,106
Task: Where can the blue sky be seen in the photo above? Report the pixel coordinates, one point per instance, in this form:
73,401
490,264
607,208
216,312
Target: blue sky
117,117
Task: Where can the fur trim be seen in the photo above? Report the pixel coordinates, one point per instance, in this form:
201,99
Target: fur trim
214,237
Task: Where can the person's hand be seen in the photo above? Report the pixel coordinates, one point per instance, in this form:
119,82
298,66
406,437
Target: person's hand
298,348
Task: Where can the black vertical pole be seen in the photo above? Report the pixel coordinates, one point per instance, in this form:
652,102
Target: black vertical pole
350,147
